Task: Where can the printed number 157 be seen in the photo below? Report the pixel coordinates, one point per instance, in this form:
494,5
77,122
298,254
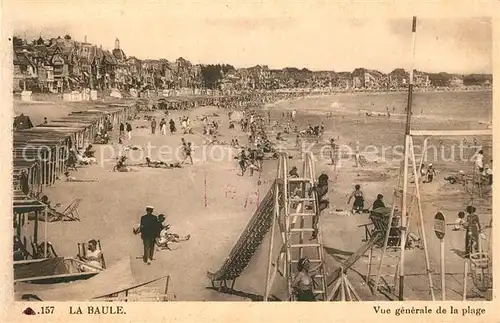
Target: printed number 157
47,310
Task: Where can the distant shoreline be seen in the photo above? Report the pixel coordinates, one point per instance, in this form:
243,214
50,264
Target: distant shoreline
380,92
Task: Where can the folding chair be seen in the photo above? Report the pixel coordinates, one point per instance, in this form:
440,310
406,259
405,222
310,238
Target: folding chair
82,251
70,213
39,251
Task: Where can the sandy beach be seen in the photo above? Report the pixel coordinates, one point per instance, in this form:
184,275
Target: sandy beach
212,203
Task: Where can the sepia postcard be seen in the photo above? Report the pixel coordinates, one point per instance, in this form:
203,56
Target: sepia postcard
202,161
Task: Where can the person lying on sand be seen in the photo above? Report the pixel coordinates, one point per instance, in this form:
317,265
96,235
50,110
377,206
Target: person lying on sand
459,177
215,141
121,167
159,164
127,148
68,178
165,239
154,163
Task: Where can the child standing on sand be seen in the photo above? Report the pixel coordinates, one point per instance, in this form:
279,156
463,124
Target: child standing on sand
187,152
359,200
430,173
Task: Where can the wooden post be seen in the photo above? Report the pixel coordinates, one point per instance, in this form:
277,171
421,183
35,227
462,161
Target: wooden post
30,178
369,270
44,168
58,166
45,234
403,220
35,228
205,189
166,285
269,262
39,177
342,285
443,277
17,216
466,276
53,164
421,215
273,228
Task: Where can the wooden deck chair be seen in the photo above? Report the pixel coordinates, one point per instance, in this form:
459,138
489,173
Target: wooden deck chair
39,251
82,251
70,213
21,250
381,224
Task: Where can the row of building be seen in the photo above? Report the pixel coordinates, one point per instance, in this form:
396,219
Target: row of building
261,77
62,65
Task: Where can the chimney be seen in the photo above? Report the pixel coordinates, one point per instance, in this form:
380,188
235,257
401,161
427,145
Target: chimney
85,39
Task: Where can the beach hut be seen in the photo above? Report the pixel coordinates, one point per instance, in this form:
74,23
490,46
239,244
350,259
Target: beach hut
22,122
22,206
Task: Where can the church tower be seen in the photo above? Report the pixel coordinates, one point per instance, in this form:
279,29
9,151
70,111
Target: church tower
117,43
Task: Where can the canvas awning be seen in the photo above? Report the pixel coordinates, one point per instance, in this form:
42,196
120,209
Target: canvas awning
24,204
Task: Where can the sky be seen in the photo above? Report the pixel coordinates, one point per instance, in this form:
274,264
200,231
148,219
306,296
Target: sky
315,35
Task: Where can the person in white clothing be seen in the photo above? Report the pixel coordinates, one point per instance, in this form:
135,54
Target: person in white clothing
93,257
479,161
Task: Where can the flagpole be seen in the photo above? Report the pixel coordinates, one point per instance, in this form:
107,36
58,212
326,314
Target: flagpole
405,170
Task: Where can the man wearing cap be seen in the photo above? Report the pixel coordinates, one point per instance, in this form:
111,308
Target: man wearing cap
149,231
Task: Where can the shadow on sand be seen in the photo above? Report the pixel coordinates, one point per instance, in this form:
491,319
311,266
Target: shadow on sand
252,297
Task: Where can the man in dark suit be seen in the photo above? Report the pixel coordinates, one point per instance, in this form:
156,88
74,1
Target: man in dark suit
149,231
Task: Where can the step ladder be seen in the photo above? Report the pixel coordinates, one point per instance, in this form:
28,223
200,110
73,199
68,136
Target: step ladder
388,277
388,263
408,165
300,212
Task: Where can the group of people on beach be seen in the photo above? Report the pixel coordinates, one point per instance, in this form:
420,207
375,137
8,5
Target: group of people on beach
125,127
163,126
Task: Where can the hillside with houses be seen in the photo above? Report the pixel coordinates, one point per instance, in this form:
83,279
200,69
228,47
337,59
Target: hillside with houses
61,64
